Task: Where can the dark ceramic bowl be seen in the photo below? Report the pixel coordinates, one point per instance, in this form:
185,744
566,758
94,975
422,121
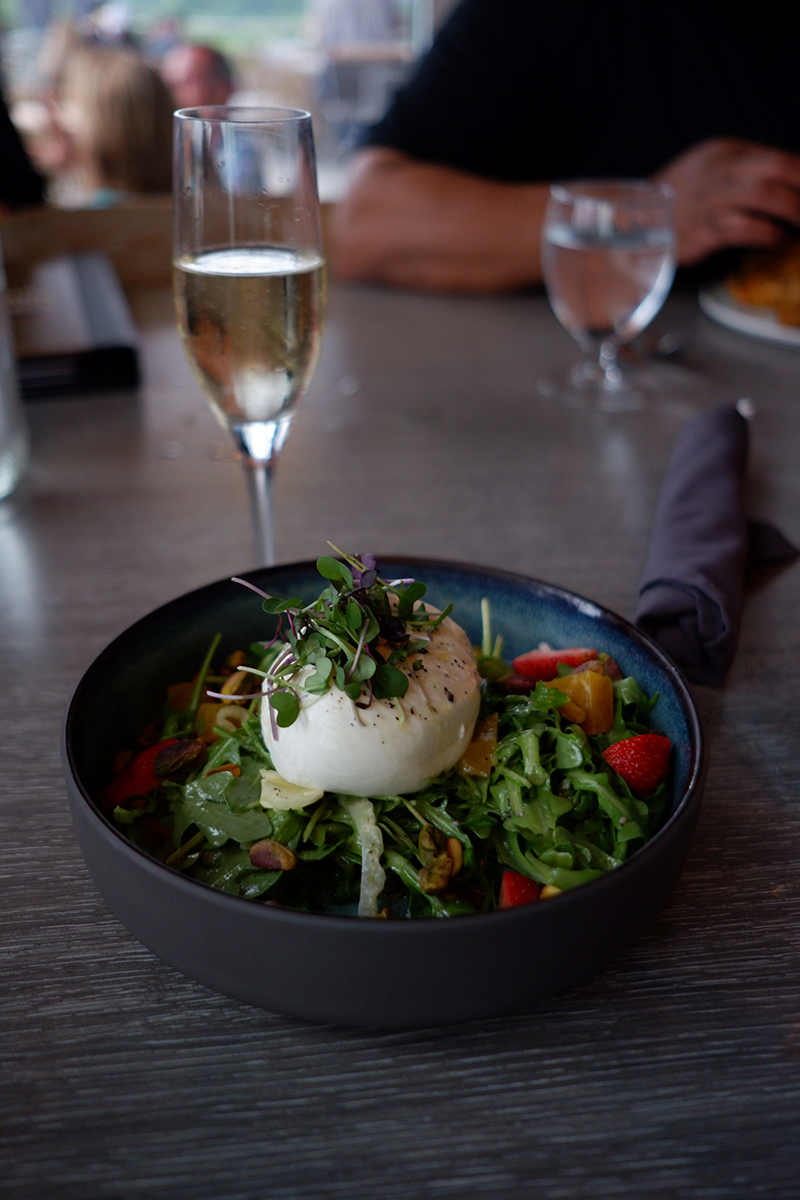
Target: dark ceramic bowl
383,973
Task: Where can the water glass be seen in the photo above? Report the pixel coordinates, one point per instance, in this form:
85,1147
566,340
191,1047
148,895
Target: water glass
608,261
13,428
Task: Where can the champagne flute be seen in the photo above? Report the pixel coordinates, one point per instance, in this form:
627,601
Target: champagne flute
249,277
608,261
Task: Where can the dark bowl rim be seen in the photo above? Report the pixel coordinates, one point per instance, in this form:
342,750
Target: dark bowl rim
292,917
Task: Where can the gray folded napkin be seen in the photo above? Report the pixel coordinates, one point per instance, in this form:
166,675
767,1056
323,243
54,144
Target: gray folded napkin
692,590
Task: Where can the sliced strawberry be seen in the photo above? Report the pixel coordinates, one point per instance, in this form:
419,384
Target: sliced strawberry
517,889
543,664
641,760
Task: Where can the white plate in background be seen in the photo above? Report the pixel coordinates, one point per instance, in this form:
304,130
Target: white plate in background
749,319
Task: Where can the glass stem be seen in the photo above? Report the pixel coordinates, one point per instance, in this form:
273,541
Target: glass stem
609,366
260,443
259,487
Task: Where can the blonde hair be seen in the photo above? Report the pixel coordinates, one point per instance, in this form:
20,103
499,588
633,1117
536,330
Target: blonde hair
121,114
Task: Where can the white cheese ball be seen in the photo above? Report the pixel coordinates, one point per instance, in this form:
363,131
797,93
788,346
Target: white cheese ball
394,746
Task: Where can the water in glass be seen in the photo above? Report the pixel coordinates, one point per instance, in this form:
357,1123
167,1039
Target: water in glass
607,263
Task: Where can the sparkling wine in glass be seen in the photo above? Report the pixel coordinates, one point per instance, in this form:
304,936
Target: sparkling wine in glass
249,277
608,261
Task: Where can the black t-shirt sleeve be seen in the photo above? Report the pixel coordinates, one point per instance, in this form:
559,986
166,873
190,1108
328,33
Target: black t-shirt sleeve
537,90
485,99
19,183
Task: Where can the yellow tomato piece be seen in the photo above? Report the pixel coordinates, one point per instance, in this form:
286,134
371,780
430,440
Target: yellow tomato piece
225,716
206,720
573,712
592,692
478,758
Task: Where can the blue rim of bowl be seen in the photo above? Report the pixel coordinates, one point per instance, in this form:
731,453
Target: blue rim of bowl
292,917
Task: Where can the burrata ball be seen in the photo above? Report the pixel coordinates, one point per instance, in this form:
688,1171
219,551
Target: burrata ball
393,746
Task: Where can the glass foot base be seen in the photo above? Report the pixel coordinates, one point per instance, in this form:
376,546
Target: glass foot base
577,388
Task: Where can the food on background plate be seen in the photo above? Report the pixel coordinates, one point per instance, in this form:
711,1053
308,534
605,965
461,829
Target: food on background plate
770,279
368,759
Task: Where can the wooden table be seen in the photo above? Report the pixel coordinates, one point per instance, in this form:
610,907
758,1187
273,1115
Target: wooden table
674,1074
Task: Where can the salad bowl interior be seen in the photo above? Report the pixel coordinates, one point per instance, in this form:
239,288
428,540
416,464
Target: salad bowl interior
337,968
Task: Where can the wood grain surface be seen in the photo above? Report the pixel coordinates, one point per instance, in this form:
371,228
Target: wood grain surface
675,1073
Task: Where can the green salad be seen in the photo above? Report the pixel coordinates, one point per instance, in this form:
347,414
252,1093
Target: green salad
559,782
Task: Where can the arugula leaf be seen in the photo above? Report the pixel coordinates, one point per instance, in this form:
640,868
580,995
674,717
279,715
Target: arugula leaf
629,692
569,750
255,884
218,823
244,792
543,698
230,870
612,804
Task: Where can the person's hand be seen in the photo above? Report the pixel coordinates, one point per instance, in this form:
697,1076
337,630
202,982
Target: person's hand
732,193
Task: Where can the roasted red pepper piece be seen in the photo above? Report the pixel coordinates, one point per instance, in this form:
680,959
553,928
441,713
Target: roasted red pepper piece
517,889
137,779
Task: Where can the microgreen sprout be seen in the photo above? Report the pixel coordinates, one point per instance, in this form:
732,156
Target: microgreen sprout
353,635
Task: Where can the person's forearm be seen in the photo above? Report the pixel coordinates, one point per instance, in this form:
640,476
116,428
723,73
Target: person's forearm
422,225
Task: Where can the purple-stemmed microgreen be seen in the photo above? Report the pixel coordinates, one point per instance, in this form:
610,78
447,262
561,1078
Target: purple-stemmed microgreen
252,586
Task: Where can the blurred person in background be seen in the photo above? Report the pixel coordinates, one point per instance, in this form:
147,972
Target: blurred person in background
36,117
61,41
20,184
197,75
451,187
114,114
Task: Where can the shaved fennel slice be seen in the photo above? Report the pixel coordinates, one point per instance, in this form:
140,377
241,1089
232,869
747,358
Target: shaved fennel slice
280,795
373,876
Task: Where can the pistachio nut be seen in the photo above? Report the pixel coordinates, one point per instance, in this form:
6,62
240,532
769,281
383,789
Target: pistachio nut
180,758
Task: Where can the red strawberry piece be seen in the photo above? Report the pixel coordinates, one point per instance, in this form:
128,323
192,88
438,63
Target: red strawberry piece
516,889
543,664
642,761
